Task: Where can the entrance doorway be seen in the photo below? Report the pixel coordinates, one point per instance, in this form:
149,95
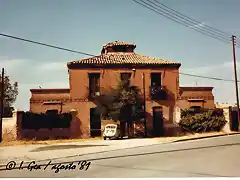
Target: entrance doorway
158,129
234,124
95,122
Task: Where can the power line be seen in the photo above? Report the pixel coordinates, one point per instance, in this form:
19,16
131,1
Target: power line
193,20
206,77
180,20
44,44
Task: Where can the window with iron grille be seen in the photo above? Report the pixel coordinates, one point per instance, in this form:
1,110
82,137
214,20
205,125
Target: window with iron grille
94,84
156,79
156,83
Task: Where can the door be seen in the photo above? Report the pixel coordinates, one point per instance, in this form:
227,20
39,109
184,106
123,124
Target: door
234,123
158,129
95,122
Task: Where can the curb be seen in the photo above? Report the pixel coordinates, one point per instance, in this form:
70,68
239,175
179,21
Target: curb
205,137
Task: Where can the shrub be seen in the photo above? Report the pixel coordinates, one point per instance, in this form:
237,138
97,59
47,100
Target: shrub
192,111
208,121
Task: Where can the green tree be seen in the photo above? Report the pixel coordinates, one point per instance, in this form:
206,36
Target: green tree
126,98
10,91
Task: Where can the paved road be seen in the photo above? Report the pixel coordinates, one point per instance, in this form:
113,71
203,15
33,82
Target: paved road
199,158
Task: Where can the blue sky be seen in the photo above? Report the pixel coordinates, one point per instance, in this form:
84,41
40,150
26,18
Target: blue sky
85,25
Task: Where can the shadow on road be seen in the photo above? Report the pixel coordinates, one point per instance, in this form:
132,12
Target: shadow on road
61,147
161,152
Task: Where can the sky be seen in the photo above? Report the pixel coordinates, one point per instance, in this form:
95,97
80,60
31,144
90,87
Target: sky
86,25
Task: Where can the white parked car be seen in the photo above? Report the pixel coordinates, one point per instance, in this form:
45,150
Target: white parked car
111,131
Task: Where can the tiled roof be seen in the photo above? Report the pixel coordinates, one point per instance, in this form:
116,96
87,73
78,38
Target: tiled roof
123,58
118,43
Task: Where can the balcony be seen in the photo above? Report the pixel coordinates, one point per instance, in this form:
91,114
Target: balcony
158,93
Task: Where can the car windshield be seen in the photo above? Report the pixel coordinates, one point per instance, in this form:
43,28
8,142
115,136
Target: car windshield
111,127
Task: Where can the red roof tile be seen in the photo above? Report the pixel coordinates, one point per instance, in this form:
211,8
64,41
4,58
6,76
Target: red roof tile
118,43
122,58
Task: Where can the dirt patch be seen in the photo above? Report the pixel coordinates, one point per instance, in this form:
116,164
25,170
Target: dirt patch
46,142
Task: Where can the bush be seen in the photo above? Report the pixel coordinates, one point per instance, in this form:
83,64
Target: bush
208,121
192,112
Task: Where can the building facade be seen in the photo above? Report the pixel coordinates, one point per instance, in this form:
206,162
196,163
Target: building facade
93,77
196,97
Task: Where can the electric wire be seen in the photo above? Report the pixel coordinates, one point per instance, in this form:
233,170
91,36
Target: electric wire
186,21
88,54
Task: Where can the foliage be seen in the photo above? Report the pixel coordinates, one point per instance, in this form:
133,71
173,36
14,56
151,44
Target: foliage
10,91
37,121
125,104
193,111
206,121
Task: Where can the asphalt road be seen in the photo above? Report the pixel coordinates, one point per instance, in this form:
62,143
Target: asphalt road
213,157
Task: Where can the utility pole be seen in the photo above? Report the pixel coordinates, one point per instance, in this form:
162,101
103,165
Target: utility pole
2,98
144,105
235,74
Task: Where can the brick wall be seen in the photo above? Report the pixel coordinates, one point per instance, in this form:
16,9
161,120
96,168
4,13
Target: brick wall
110,77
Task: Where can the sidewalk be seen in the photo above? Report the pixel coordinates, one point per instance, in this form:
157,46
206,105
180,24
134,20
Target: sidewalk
56,151
41,152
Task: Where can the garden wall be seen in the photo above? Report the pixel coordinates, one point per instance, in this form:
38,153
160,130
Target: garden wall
39,129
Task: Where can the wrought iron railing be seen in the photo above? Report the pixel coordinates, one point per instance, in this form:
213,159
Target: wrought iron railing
157,93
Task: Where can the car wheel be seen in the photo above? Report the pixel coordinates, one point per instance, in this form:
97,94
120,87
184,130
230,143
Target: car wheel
104,138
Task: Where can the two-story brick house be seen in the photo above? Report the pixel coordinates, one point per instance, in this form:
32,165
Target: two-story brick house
92,77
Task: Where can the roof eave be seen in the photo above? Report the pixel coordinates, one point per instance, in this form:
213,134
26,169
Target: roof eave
109,66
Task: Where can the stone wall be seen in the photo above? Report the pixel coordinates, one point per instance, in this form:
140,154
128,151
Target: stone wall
227,114
9,127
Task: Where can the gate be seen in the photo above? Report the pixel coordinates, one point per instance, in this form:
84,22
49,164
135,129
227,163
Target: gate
95,123
158,129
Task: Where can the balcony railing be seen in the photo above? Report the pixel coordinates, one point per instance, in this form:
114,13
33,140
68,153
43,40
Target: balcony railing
157,93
